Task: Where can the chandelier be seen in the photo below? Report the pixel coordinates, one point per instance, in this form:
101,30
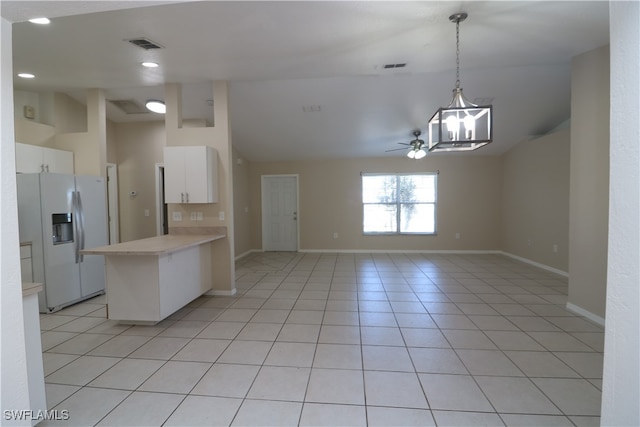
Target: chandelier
462,125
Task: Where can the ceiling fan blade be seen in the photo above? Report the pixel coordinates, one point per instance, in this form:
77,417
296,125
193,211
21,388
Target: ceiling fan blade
395,149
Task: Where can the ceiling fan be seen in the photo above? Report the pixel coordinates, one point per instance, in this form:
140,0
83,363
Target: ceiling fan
415,147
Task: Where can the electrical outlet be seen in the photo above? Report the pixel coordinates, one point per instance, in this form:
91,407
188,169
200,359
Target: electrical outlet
555,248
221,215
199,216
193,216
457,235
177,216
335,235
146,212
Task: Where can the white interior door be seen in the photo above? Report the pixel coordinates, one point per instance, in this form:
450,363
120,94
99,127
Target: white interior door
280,213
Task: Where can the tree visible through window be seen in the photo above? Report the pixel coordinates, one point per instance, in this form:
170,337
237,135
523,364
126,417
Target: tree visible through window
399,203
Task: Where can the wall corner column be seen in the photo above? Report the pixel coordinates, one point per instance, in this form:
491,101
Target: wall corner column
621,375
218,214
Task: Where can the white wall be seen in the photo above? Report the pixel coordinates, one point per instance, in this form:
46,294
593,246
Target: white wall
621,381
589,183
13,361
535,200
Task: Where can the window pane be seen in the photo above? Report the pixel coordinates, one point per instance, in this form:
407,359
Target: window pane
399,203
417,188
379,189
379,219
417,218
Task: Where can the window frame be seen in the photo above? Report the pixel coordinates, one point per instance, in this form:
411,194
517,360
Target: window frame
398,203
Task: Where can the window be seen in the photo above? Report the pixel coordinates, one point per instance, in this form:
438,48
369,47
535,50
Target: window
399,203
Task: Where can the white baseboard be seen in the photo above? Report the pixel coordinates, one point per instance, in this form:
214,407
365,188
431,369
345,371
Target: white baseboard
249,252
214,293
536,264
585,313
395,251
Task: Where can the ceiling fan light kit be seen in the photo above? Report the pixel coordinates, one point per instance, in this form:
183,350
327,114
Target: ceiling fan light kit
416,150
462,125
416,153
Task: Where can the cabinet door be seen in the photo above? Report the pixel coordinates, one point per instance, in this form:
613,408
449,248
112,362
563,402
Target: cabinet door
28,158
57,161
197,180
174,175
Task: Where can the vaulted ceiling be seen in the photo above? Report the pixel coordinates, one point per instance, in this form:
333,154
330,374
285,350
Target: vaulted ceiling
307,79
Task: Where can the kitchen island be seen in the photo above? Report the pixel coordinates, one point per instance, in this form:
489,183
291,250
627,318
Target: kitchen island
150,279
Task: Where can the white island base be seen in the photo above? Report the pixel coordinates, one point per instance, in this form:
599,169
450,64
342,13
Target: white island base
148,280
145,289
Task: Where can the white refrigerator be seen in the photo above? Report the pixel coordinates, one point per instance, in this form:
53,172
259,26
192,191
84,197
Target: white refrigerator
60,215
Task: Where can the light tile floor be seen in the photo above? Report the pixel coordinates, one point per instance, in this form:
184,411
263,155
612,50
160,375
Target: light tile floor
339,339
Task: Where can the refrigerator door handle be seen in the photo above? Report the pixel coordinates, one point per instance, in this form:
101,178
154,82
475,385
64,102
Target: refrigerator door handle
81,227
76,230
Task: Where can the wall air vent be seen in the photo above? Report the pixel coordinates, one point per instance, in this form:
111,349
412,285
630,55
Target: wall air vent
128,106
146,44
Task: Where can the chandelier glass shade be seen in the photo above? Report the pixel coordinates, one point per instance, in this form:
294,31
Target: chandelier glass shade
462,125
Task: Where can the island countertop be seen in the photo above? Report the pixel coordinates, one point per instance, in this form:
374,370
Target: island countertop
158,245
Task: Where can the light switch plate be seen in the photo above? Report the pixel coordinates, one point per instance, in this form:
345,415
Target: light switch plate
29,112
194,216
221,215
177,216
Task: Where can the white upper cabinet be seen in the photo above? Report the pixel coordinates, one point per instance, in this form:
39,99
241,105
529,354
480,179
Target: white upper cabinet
37,159
190,174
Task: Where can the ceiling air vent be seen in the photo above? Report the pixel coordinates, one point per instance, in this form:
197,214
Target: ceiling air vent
145,43
387,66
128,106
483,101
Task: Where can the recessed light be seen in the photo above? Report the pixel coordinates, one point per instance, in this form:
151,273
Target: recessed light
156,106
41,21
150,64
26,75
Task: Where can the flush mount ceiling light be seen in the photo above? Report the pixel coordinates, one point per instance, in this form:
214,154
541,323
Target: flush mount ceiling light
463,125
41,21
156,106
26,75
150,64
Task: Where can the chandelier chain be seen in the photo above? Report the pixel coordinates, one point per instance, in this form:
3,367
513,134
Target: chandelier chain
457,54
